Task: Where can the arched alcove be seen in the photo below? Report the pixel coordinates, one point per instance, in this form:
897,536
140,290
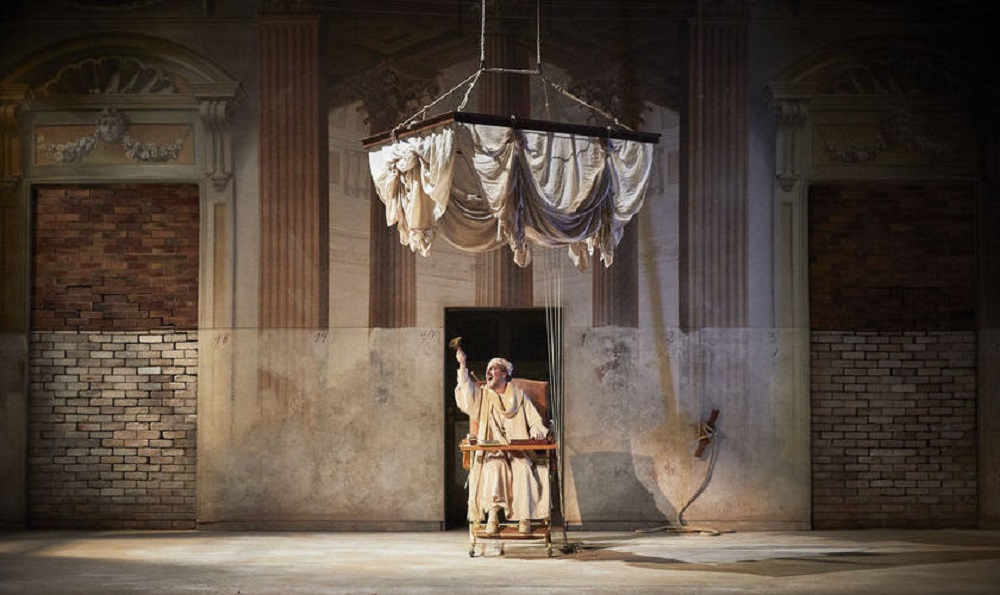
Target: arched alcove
107,118
872,124
105,88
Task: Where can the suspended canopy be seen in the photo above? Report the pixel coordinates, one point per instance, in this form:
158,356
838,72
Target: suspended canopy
483,181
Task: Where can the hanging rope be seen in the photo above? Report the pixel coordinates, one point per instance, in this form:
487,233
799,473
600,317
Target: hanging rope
473,78
553,283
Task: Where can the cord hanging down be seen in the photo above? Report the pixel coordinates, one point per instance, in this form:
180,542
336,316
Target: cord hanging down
473,78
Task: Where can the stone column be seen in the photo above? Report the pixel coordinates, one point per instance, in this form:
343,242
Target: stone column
713,242
389,98
713,214
790,103
294,205
392,284
499,281
616,288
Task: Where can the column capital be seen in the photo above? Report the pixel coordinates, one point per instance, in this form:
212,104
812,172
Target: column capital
617,92
287,7
389,95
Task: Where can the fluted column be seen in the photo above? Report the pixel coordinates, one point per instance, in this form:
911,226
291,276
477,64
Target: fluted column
713,234
294,206
392,281
389,97
615,289
499,281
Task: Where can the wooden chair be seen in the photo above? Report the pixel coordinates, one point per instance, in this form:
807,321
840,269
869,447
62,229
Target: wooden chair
538,392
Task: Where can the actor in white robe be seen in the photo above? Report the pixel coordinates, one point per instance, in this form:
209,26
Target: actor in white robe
510,480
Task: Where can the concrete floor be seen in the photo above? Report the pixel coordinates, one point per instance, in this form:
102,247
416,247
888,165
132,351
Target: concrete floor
163,563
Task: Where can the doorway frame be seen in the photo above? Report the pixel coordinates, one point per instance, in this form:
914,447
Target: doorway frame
537,369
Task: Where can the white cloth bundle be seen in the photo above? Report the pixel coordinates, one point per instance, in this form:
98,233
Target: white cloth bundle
485,186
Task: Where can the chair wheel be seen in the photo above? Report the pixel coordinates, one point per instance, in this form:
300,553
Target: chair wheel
472,552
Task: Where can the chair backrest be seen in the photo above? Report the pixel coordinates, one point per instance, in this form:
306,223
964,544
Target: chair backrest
538,392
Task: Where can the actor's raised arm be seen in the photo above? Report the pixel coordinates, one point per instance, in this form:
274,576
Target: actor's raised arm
465,388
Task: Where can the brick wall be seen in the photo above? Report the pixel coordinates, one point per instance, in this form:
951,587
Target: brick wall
112,426
115,258
113,362
891,257
893,368
893,429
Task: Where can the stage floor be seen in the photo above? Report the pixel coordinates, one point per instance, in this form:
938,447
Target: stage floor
244,563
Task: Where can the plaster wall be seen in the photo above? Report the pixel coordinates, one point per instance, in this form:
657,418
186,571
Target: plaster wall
355,440
634,403
352,441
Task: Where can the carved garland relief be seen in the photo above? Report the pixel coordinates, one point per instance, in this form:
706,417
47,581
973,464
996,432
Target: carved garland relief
894,140
898,138
111,128
111,76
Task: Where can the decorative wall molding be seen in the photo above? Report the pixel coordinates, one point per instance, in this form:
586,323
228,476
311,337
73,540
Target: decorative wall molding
894,128
720,8
109,5
217,106
897,75
111,127
13,101
616,93
109,75
791,115
141,89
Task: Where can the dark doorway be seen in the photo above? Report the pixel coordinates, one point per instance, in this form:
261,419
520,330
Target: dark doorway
518,334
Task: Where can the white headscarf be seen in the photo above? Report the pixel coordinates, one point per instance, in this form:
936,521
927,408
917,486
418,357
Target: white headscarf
506,364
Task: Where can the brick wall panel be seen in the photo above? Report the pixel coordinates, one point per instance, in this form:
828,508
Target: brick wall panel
893,356
112,413
115,258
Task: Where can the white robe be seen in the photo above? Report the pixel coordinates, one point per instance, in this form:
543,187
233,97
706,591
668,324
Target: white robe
516,481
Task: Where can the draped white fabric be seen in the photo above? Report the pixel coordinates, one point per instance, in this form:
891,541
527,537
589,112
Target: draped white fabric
482,187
